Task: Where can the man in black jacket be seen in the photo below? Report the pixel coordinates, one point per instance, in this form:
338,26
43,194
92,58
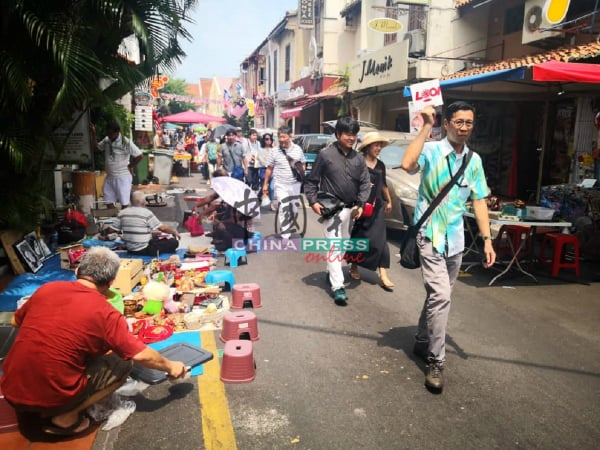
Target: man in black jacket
340,171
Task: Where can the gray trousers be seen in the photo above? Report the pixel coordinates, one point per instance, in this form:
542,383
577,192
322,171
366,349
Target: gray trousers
439,274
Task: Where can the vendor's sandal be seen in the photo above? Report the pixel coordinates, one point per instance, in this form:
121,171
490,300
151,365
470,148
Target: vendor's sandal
80,427
354,273
386,284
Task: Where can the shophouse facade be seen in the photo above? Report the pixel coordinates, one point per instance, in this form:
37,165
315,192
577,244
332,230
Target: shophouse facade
294,74
530,134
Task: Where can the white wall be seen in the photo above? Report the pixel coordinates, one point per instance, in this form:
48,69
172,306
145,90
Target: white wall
337,43
451,36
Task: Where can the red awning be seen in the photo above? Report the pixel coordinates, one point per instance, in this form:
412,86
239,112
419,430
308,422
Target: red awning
295,111
567,72
332,92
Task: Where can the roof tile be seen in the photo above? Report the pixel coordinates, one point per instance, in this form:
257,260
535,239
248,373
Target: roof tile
564,54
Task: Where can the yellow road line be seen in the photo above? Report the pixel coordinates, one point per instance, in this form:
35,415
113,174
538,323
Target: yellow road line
217,428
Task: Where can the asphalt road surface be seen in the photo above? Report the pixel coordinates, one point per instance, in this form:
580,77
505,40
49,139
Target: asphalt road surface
522,370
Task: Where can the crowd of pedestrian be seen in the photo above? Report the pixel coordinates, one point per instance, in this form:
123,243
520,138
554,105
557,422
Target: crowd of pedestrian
89,352
354,179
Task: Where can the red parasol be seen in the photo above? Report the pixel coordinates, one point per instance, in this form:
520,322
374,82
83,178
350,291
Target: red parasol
192,117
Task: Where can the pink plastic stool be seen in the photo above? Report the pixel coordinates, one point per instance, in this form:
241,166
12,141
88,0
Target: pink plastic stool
558,241
245,295
238,364
239,325
8,417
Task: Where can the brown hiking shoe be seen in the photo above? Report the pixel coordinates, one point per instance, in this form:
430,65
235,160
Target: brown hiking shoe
435,375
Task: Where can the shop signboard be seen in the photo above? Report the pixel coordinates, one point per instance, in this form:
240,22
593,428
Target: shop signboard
143,98
385,25
555,11
384,66
71,142
143,118
306,13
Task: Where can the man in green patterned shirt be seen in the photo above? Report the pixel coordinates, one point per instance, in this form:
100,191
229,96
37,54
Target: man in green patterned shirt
441,238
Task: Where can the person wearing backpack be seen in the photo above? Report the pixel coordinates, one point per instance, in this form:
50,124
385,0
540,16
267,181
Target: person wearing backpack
211,152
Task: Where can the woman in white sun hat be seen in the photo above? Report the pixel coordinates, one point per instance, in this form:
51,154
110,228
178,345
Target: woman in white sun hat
373,227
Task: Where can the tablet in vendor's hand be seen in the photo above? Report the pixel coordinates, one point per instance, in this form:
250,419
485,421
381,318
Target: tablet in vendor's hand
188,354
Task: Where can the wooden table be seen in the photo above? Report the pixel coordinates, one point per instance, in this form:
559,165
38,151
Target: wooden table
514,260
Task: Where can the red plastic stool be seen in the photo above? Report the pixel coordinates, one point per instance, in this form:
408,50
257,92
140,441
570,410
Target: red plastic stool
8,417
239,325
512,236
245,295
558,241
238,364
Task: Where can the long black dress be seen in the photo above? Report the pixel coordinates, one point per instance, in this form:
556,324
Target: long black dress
373,228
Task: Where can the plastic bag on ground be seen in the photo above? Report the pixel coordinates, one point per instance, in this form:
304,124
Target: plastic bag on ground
114,409
132,387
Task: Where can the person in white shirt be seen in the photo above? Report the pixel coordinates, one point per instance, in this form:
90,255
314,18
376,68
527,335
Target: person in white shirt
142,232
121,156
159,140
251,150
287,187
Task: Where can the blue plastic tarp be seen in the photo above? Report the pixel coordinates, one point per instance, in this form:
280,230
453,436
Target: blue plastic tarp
27,283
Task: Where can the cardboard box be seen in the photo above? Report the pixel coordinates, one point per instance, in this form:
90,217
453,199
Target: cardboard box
8,238
64,256
129,275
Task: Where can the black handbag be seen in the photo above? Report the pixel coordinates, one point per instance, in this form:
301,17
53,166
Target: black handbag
298,171
410,257
331,205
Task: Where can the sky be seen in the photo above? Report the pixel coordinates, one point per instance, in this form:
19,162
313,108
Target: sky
225,33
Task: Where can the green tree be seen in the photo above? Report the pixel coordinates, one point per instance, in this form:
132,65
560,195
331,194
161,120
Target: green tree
177,86
62,56
344,100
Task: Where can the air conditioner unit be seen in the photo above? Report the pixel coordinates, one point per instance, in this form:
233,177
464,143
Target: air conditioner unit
416,42
534,23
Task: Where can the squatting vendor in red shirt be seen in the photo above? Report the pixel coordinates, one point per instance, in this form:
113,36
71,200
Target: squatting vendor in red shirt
73,348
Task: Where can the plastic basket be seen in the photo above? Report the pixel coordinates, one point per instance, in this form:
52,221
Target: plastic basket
539,213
